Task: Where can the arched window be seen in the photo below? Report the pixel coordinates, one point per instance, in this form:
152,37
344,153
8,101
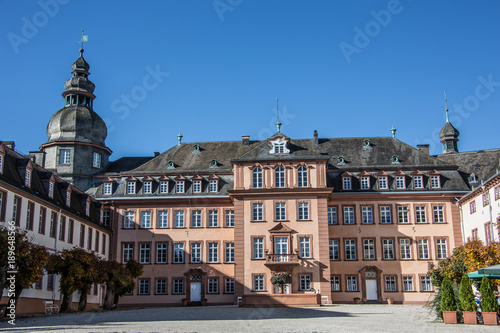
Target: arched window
257,177
302,176
279,177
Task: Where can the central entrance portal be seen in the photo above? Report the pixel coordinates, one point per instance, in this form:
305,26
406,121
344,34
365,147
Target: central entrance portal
371,290
195,291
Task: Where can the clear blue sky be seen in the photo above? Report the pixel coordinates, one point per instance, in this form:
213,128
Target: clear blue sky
344,68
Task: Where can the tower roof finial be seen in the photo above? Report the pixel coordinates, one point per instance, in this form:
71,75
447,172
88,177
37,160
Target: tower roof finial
84,39
446,107
393,130
278,124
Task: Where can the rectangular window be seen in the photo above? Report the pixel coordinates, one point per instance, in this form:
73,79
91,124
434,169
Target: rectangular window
403,214
367,212
106,218
497,193
51,190
163,187
382,183
16,210
82,235
485,200
106,188
400,182
258,248
305,247
350,249
487,233
178,288
30,210
146,219
213,185
365,183
196,186
257,210
305,282
128,220
103,244
213,252
441,248
349,215
179,219
97,161
405,248
27,178
390,283
195,252
302,176
334,249
50,282
420,216
280,210
423,248
161,253
335,283
128,253
258,282
146,189
425,283
213,218
346,183
229,252
352,283
229,286
388,249
385,215
418,182
196,218
332,215
369,249
213,285
143,287
52,227
472,206
65,156
3,196
41,219
96,244
163,219
435,181
178,253
303,211
179,186
161,286
408,283
130,187
438,213
229,218
62,228
89,239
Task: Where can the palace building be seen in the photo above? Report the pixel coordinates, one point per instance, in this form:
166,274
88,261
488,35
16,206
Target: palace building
212,222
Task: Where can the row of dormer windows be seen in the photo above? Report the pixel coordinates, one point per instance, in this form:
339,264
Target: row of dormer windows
180,186
383,182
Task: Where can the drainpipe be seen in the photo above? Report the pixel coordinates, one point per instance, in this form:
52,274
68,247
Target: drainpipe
461,219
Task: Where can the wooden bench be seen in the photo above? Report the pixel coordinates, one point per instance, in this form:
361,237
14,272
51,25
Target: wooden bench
50,307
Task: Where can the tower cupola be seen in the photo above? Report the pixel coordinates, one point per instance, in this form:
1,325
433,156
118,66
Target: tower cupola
449,134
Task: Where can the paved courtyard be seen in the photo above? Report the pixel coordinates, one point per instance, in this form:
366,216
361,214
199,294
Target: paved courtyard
337,318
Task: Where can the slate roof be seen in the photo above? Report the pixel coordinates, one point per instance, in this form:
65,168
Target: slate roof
483,163
125,164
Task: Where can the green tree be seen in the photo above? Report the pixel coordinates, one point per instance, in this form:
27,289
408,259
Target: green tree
126,281
29,260
467,302
488,301
119,280
79,269
281,279
448,302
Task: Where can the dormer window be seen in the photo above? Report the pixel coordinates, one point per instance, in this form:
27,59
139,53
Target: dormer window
341,160
196,149
366,143
164,186
131,187
1,163
382,183
213,185
87,207
196,186
418,182
365,183
435,181
179,186
171,165
27,178
51,189
279,147
473,178
346,181
395,159
68,197
107,188
257,177
214,164
147,187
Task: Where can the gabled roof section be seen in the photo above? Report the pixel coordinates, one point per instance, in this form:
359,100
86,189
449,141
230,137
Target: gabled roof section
280,227
482,163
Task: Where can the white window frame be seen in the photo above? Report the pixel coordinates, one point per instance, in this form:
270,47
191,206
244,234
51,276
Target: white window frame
146,219
441,248
127,252
420,214
280,211
144,286
349,217
161,286
257,212
258,248
382,183
131,187
213,252
163,219
332,215
400,182
418,181
213,218
390,284
230,218
161,253
178,253
145,253
213,185
303,211
438,213
107,189
179,186
97,160
408,283
302,176
346,183
229,252
196,218
305,282
258,282
365,183
352,283
423,249
196,252
179,219
279,177
196,186
405,248
435,181
388,249
257,181
367,214
385,215
403,215
164,186
128,220
333,247
147,186
350,249
369,249
65,156
305,247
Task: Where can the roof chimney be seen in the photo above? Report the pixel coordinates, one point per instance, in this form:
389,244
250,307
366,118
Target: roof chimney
424,148
245,140
157,153
9,144
315,140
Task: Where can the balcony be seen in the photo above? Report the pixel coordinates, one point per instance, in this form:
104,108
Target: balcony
282,259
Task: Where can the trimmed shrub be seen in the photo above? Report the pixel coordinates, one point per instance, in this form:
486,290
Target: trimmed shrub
467,302
448,302
488,301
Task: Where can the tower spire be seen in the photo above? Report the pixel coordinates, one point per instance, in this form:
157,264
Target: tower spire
278,124
446,107
84,39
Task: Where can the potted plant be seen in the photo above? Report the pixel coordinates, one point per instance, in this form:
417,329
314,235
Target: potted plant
467,302
448,304
280,279
390,300
489,304
357,300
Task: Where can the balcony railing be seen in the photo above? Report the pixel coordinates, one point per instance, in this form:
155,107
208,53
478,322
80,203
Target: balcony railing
292,259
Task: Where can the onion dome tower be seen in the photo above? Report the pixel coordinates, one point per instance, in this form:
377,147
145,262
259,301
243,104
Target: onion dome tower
449,134
76,148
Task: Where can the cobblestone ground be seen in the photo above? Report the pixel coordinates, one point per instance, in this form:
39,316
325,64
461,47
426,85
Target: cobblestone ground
337,318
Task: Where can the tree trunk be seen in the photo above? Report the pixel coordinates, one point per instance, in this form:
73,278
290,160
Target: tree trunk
115,300
82,302
108,297
64,303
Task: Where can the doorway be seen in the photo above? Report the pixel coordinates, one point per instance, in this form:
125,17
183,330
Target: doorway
371,290
195,291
